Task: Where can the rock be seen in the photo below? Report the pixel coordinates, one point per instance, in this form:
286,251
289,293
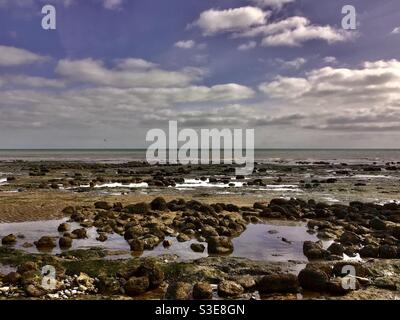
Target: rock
69,210
247,282
80,233
197,247
227,288
154,273
335,287
159,204
336,249
178,291
136,285
34,291
202,291
138,208
9,240
12,278
108,285
45,242
167,243
27,266
387,252
182,237
313,279
65,242
377,224
103,205
278,283
349,238
340,269
369,251
220,245
385,283
137,245
63,227
102,237
314,250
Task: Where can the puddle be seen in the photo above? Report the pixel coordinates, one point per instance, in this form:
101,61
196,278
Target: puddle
258,242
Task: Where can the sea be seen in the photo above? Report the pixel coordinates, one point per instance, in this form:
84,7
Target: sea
289,156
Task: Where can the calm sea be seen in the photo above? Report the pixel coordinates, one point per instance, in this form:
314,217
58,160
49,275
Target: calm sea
261,155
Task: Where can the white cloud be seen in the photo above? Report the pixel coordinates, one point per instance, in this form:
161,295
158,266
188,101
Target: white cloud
94,71
11,56
112,4
294,31
29,81
292,64
216,21
272,3
396,30
134,64
330,60
247,46
185,44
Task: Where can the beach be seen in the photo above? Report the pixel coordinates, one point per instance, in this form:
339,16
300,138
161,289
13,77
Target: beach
116,227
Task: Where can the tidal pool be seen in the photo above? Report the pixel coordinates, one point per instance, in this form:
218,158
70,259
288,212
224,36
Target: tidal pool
274,241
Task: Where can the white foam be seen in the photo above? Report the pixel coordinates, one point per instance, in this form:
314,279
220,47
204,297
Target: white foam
357,258
194,183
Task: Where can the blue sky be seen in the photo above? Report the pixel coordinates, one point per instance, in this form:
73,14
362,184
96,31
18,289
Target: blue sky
113,69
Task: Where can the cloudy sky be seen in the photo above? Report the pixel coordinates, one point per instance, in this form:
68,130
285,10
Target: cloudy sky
113,69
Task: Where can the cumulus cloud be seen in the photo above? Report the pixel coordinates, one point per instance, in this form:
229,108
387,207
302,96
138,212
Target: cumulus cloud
112,4
185,44
215,21
95,72
29,81
292,64
343,98
330,60
272,3
247,46
11,56
396,30
294,31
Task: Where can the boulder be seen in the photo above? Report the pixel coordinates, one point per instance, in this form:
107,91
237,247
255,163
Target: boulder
103,205
197,247
63,227
12,278
159,204
136,285
377,224
227,288
313,279
387,252
220,245
314,250
45,242
178,291
369,251
202,291
34,291
137,245
80,233
9,240
65,242
138,208
350,238
278,283
154,273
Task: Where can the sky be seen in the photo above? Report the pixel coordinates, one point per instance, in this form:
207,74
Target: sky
114,69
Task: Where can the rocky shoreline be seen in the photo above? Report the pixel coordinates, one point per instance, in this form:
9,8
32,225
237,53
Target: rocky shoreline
363,236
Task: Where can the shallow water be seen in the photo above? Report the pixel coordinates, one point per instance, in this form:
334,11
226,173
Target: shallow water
258,242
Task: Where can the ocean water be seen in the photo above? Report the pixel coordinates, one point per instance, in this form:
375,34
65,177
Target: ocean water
260,155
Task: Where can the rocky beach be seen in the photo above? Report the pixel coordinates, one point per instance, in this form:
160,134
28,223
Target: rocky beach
128,230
